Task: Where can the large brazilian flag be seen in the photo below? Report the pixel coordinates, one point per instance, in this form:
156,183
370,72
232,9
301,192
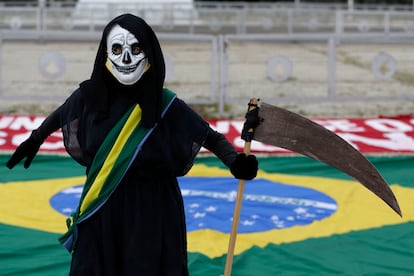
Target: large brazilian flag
299,217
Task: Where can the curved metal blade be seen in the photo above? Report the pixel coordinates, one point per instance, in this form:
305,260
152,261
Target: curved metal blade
294,132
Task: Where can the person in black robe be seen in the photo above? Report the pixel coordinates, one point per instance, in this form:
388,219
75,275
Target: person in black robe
139,229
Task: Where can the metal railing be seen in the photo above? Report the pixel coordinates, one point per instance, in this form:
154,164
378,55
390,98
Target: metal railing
212,17
220,57
224,70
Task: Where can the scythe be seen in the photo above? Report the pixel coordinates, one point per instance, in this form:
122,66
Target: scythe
288,130
282,128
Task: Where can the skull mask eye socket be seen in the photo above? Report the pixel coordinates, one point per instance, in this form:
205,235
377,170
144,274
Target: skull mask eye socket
117,49
136,49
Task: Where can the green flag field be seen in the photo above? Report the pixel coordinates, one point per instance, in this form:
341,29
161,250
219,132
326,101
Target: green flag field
299,217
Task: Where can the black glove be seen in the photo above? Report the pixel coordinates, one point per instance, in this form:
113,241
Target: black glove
27,149
244,167
250,124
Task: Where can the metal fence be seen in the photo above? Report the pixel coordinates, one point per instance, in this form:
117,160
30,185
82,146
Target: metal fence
289,56
212,17
318,69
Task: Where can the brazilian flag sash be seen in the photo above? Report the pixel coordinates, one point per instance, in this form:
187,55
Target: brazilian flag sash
110,164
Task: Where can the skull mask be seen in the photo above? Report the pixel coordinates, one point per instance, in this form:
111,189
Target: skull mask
126,60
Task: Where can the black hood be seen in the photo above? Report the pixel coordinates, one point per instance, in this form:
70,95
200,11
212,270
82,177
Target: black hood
98,90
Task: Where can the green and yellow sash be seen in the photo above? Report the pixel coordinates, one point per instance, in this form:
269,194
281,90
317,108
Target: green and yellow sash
110,164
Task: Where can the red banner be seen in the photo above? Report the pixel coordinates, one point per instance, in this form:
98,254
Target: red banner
368,135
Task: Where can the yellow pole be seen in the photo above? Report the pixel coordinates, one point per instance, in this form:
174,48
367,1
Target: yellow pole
237,207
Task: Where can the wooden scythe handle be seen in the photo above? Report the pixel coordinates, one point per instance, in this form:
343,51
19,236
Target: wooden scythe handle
237,207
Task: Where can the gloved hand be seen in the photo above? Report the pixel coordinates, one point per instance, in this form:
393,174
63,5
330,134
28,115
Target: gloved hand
252,121
27,149
244,167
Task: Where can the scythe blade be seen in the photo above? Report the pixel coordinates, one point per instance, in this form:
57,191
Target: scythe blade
291,131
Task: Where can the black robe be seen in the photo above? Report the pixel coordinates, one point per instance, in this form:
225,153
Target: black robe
141,229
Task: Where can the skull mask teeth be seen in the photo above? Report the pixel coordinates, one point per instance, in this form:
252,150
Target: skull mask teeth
126,60
126,69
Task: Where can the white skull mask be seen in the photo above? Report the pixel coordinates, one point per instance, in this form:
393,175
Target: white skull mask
126,60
